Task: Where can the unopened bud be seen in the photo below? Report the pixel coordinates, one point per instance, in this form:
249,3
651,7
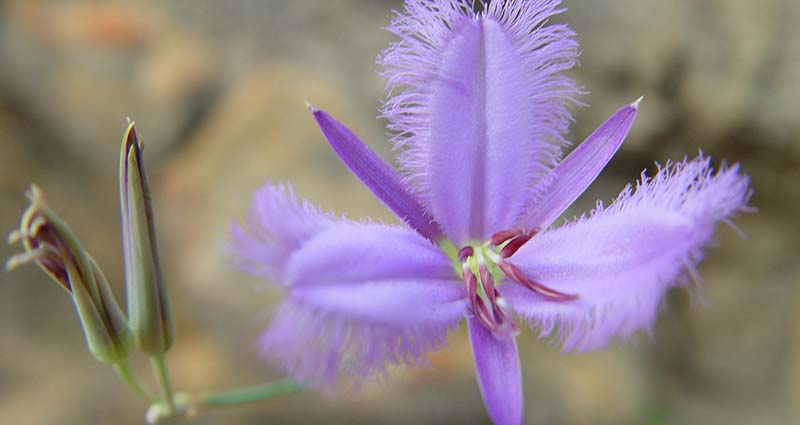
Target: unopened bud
149,310
50,243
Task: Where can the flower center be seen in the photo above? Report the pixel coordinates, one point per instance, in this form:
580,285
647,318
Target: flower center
488,306
482,265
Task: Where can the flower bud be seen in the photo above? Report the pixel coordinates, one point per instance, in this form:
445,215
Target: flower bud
50,243
148,306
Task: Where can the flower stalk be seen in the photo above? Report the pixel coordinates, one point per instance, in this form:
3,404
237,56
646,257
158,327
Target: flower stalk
189,406
162,376
123,370
246,395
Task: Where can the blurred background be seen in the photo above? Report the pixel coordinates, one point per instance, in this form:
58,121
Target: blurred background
217,90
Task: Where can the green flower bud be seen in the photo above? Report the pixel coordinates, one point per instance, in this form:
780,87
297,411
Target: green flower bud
50,243
148,306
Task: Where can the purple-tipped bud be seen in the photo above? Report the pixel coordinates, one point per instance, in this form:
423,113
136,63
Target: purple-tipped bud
50,243
148,306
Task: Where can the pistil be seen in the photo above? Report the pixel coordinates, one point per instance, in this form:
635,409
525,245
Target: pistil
485,300
481,266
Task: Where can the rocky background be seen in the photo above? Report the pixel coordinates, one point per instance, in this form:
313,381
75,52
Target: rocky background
217,90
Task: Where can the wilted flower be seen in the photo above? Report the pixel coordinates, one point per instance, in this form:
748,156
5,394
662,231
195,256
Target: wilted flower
479,109
50,243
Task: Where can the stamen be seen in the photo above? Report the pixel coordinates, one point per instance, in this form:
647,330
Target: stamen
487,305
516,275
515,244
488,282
465,252
484,314
471,283
500,321
513,239
498,238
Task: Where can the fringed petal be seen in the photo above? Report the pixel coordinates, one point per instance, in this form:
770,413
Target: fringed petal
621,259
277,225
478,106
325,334
361,296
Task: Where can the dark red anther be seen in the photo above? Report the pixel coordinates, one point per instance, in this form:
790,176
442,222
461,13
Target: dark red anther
485,314
504,235
516,275
465,253
484,299
492,294
513,238
515,244
471,283
488,282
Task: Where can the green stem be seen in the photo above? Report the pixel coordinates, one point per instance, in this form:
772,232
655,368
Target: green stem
246,395
162,375
124,371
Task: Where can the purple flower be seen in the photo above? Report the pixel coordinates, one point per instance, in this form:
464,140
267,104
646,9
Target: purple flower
478,105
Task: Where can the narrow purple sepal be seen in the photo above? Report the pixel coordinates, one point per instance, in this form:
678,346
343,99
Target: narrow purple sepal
499,373
383,180
580,168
